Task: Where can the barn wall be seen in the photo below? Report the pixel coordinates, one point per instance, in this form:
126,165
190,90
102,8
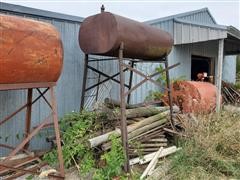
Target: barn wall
229,69
165,25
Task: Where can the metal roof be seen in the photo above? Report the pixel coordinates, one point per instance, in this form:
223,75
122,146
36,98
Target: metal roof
233,32
214,26
37,12
181,15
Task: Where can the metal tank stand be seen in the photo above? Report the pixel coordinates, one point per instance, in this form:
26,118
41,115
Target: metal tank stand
6,164
123,67
87,66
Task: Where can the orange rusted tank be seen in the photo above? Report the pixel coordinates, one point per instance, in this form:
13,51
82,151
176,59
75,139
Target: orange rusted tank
30,51
192,96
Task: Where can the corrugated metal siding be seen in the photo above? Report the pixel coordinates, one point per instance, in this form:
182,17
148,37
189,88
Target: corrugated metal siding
105,90
229,69
165,25
202,17
68,89
140,94
189,33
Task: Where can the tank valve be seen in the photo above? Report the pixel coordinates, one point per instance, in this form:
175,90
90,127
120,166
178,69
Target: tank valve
102,8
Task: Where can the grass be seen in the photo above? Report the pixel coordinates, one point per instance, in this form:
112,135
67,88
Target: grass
212,151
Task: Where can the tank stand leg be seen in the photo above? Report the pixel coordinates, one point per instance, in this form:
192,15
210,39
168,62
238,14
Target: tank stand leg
169,93
124,134
28,115
84,82
57,133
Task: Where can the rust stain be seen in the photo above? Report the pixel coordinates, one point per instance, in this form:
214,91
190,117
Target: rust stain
17,43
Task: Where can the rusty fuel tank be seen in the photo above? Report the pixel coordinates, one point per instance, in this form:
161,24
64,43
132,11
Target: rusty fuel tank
102,34
194,97
30,51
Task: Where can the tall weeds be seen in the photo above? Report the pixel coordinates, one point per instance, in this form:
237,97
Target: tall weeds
212,149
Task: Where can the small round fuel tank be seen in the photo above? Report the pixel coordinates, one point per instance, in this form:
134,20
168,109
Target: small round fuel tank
103,33
192,96
30,51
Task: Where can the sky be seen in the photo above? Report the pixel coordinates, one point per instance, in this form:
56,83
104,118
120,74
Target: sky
225,12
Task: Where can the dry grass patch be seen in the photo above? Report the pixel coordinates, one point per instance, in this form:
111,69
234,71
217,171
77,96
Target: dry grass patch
212,150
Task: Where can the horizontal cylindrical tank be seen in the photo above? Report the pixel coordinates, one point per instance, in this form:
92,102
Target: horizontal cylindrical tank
192,96
30,51
103,33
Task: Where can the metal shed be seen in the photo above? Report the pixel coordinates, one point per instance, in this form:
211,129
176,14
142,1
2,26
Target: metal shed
196,35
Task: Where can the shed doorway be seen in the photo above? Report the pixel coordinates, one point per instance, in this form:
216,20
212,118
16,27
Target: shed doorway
201,64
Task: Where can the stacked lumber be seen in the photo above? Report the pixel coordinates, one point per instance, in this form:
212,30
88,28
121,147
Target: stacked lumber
147,126
230,94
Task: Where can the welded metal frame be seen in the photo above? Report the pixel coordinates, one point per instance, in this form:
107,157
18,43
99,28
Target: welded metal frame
123,67
30,133
87,66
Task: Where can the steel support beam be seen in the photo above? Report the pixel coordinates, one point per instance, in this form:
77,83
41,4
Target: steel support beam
170,100
84,82
219,74
28,115
124,133
57,133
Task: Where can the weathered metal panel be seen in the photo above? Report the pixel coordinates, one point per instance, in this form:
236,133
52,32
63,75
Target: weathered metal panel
142,92
165,25
36,13
202,17
229,69
191,33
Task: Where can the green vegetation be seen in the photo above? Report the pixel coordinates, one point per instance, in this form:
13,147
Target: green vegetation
76,129
212,150
237,85
162,79
114,160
